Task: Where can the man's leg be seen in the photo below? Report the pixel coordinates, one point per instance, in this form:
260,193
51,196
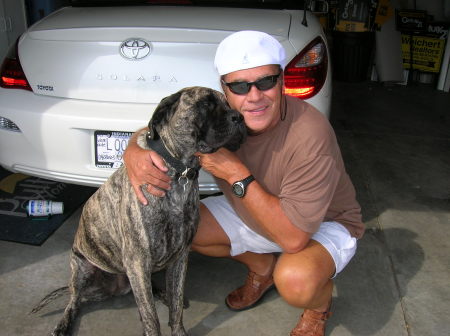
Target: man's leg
303,280
211,240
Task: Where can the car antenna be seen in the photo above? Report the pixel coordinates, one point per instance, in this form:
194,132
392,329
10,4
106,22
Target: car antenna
307,6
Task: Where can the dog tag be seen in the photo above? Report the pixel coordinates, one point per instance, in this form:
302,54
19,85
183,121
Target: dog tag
183,180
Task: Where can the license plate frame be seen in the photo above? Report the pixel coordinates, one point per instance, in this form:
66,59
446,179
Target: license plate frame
109,148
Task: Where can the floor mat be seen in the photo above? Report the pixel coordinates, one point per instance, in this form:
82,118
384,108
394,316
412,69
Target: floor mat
15,192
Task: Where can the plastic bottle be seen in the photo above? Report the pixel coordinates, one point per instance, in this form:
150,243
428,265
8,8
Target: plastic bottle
41,208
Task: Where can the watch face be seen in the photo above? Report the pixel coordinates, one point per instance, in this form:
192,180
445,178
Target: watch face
238,189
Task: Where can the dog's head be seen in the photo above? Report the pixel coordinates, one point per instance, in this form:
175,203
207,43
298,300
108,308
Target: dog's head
197,119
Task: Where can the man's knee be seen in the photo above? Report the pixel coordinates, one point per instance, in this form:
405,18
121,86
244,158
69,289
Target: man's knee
294,285
299,283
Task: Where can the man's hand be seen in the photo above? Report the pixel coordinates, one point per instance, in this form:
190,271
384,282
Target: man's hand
145,168
224,164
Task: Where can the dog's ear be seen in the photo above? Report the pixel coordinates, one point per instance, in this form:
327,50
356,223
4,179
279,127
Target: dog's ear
163,112
205,116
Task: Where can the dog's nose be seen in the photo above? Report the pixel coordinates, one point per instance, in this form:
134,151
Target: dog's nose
237,119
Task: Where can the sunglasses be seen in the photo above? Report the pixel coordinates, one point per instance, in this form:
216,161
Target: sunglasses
263,84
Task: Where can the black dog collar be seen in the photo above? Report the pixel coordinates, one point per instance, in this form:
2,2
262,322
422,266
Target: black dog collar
183,172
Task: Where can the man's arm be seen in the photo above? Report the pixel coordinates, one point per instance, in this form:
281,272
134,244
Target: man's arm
264,207
145,167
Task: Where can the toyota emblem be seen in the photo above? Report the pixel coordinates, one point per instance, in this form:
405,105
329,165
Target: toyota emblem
135,49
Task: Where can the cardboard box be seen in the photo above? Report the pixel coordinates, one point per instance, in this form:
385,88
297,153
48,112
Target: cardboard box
357,15
353,16
438,29
383,13
411,20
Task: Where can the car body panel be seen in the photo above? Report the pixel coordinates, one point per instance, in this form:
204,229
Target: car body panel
97,20
81,83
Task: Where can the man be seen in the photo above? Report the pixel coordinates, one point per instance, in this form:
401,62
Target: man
286,191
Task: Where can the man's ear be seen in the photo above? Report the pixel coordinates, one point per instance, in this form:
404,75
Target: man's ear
163,112
223,86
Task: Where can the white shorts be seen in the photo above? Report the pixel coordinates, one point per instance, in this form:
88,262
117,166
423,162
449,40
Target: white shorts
332,235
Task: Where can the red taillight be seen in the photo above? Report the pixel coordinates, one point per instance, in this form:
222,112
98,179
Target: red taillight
305,74
11,73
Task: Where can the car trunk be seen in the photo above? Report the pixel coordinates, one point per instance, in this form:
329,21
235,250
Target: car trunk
75,52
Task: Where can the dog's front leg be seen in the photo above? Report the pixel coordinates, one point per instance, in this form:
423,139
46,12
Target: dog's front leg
139,276
175,278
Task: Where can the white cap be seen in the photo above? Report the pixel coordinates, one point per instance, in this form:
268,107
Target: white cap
248,49
57,208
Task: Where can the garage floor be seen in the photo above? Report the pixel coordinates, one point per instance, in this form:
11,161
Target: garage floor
396,144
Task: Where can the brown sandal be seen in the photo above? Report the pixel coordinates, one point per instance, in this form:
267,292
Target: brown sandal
312,323
254,289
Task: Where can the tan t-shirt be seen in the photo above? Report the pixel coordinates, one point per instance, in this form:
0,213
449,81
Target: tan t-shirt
300,162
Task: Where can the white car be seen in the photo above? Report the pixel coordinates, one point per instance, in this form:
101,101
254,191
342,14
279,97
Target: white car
81,80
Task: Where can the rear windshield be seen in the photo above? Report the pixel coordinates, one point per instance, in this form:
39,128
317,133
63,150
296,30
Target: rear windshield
269,4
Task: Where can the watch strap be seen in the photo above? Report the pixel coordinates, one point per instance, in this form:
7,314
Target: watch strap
243,185
247,180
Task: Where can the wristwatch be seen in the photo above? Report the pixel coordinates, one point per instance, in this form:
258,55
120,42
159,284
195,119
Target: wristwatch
239,188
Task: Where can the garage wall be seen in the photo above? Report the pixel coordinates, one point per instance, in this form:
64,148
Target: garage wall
37,9
13,23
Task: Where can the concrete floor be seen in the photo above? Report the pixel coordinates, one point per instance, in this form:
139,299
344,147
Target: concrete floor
396,144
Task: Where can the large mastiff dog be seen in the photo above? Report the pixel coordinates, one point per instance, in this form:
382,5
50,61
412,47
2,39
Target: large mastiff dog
120,242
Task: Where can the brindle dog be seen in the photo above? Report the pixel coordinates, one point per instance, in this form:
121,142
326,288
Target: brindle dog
120,242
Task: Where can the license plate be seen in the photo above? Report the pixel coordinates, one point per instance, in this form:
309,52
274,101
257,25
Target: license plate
109,148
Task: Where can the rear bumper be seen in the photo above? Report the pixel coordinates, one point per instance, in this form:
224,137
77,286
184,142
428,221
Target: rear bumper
56,138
